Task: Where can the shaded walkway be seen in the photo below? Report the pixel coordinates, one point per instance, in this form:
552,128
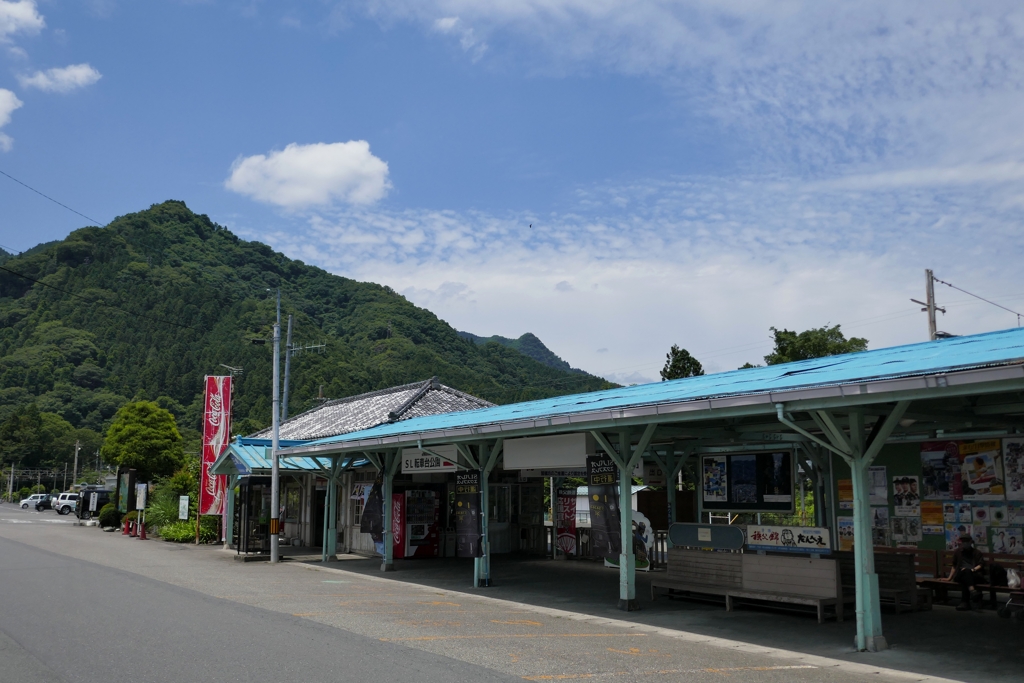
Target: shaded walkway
975,646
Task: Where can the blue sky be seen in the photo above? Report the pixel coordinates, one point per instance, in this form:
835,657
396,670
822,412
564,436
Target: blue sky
694,172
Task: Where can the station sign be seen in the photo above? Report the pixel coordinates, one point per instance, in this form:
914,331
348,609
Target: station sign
438,459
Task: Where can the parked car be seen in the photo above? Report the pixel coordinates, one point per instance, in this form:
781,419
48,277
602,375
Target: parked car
65,503
45,503
32,500
103,496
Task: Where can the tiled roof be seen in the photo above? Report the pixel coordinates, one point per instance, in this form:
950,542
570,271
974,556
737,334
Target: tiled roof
351,414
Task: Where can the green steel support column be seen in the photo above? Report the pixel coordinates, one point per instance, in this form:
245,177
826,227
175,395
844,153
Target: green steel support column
869,609
229,513
482,565
327,510
669,468
332,531
627,560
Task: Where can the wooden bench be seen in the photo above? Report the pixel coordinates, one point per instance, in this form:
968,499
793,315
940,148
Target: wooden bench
941,585
897,578
766,578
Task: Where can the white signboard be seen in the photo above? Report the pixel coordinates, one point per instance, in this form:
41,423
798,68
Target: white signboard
565,451
182,507
439,459
650,473
791,539
140,496
529,474
93,500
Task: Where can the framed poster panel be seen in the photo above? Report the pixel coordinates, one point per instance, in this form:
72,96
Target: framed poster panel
747,482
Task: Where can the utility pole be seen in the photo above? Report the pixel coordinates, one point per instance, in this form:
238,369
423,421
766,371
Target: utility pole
275,490
65,486
930,307
74,470
287,370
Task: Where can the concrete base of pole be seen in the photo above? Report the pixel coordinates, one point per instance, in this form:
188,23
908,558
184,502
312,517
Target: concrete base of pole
484,583
876,644
387,567
629,605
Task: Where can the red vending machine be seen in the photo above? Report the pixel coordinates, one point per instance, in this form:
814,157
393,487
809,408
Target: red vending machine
422,524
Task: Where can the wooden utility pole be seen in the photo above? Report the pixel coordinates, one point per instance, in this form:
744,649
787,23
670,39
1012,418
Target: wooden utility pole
930,305
74,470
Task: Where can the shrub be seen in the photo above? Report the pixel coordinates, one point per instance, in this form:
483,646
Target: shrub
185,531
109,516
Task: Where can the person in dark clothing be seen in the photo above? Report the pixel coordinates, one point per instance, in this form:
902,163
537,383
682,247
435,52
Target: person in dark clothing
968,571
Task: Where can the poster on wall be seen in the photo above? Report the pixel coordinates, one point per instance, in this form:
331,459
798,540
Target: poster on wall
1013,463
467,514
714,478
216,437
749,482
565,519
372,519
905,497
940,470
1006,541
998,514
955,531
906,529
878,485
792,539
603,492
845,533
932,512
880,518
845,490
981,470
1015,514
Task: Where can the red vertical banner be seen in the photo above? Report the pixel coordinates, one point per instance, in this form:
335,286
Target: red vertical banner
398,525
216,437
565,520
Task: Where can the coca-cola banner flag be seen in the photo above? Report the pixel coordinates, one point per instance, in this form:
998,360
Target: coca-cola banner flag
467,514
216,437
565,520
603,491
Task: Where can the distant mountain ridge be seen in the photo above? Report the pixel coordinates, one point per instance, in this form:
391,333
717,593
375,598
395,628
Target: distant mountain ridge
528,345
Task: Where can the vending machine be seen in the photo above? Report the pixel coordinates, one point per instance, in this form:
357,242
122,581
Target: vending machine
422,524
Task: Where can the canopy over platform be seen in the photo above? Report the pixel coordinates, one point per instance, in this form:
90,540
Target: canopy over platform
848,405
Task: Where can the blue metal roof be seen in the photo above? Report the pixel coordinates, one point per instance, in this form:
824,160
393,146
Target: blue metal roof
246,455
945,355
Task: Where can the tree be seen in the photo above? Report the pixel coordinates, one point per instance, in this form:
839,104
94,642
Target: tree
20,440
679,363
145,437
814,343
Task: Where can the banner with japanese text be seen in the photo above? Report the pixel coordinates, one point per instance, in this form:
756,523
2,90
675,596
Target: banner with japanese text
216,437
565,519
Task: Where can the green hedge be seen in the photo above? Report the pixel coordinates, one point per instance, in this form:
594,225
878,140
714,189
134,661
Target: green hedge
109,516
185,531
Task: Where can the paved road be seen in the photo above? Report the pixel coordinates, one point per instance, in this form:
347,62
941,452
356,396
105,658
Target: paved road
84,605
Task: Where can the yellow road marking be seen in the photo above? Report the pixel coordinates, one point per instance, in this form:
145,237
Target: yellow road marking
307,614
516,622
438,602
723,670
637,652
521,635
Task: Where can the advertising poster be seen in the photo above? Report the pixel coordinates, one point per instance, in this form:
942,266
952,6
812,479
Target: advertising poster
216,437
979,514
906,529
372,519
845,533
905,497
845,489
880,518
182,507
940,470
878,486
141,490
793,539
603,491
981,472
565,519
467,514
932,512
743,478
777,477
1013,462
979,532
714,479
1005,541
880,537
1015,514
949,512
963,513
999,514
955,531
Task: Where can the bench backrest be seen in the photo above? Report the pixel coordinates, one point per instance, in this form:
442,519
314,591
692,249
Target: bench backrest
705,568
794,575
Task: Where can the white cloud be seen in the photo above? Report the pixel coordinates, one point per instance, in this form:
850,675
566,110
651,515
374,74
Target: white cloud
62,80
8,103
301,176
468,39
19,17
706,263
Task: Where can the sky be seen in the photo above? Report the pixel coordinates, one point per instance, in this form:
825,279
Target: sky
614,176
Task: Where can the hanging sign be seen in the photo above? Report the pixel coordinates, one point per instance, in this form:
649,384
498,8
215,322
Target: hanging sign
790,539
650,473
603,492
467,514
439,459
565,520
748,482
216,437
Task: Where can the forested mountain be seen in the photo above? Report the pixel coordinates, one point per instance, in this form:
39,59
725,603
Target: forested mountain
148,305
528,345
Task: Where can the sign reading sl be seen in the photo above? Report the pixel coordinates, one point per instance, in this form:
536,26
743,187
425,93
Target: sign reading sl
440,459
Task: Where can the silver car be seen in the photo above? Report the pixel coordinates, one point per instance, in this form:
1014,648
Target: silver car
32,500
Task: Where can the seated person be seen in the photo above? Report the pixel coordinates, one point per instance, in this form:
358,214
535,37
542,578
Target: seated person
969,571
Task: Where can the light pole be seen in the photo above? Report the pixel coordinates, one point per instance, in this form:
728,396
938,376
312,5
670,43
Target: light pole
275,484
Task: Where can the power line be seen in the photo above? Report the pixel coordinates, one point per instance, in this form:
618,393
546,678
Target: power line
100,303
959,289
51,199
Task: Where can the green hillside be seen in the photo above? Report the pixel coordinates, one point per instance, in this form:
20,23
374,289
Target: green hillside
528,345
148,305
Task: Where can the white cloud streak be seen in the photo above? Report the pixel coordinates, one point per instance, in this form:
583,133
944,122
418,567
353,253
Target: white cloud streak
61,80
8,103
320,174
19,17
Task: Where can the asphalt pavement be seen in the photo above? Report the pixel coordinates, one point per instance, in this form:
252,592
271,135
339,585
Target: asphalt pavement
80,604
